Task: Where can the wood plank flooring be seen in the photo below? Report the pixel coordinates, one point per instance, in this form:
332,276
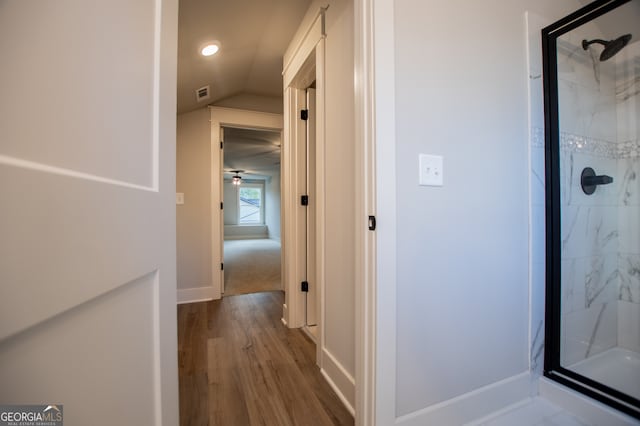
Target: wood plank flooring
239,365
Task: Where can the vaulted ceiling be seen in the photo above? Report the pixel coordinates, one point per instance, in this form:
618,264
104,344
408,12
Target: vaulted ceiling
253,35
255,152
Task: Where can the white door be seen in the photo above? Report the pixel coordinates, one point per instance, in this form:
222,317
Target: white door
221,221
312,294
87,217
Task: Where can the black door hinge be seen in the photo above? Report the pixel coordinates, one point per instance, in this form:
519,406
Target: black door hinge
304,286
221,206
304,114
372,223
222,266
221,144
304,200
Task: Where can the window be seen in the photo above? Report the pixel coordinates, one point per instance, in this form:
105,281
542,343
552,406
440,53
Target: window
251,204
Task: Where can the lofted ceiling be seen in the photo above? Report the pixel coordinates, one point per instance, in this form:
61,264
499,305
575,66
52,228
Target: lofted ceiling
253,35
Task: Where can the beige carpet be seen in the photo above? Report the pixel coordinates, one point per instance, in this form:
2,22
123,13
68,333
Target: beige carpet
251,266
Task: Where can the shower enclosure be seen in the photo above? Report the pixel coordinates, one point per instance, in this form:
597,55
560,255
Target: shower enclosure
592,132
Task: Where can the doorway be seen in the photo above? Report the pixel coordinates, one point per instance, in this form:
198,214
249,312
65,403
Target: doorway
251,248
311,287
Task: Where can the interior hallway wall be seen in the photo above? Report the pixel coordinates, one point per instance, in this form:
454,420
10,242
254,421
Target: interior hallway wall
338,356
340,195
193,218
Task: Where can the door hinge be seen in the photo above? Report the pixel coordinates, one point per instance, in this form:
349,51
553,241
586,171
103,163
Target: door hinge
221,144
222,266
304,286
304,200
304,114
372,223
221,206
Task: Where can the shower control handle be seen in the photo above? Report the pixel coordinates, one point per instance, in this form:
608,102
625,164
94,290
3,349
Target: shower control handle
597,180
589,180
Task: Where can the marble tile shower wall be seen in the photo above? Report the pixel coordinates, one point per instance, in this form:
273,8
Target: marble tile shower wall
627,92
600,108
589,223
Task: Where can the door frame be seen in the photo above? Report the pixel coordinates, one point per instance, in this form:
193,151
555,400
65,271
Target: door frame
229,117
301,68
375,178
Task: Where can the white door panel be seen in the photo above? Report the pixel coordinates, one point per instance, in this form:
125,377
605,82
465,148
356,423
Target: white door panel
87,210
312,277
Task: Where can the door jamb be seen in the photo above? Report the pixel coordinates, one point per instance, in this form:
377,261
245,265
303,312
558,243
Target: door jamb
375,178
229,117
306,61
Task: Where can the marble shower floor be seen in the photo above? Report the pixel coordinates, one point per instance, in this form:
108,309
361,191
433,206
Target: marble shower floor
533,412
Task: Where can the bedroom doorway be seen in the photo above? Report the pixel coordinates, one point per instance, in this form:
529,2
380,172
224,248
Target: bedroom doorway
251,213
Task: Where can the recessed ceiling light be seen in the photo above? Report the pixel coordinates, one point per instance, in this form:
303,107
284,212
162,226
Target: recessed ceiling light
209,49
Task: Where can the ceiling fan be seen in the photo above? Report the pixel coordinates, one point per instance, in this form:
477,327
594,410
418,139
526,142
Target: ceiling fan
236,179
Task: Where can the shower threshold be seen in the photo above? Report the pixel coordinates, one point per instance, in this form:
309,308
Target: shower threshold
617,368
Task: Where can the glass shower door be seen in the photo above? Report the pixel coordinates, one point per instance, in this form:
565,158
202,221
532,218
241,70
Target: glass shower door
592,99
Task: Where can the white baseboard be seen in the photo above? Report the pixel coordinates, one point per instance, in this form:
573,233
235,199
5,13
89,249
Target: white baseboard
285,314
246,237
342,383
195,294
473,405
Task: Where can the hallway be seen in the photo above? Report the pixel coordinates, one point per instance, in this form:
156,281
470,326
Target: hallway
239,365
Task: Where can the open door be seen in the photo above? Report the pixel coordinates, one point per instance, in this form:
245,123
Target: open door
87,223
312,294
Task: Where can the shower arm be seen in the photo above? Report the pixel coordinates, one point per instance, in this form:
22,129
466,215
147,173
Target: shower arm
586,44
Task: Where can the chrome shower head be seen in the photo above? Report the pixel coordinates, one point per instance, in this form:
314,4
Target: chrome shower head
611,47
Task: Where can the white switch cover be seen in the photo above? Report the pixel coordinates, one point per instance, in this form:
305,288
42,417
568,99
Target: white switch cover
431,170
179,198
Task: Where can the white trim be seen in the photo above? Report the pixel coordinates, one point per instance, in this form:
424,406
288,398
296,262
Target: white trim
228,117
472,405
195,294
247,237
309,334
320,205
365,255
308,54
383,306
293,216
342,383
294,61
285,313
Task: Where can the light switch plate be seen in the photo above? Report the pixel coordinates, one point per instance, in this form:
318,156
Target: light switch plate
431,170
179,198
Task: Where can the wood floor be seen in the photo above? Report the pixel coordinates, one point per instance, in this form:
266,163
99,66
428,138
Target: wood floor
239,365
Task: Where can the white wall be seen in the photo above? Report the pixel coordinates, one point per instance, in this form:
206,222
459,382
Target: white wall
339,195
230,204
462,249
193,219
272,206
